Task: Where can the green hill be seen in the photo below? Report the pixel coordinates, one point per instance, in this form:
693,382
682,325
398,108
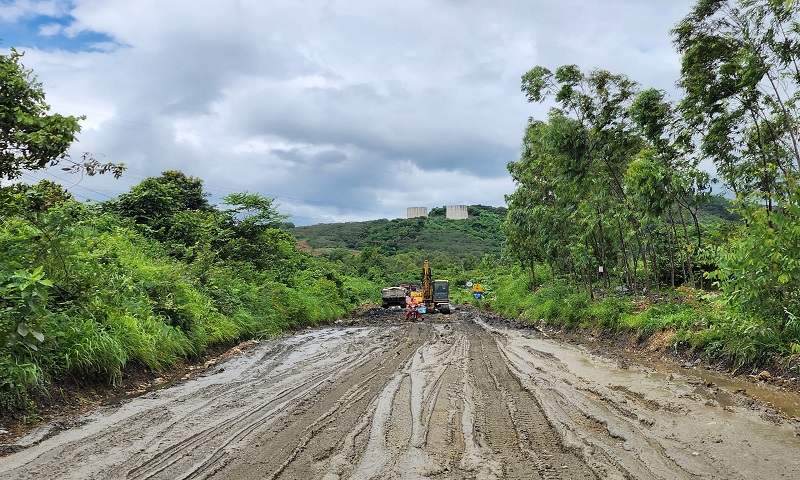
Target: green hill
718,209
479,234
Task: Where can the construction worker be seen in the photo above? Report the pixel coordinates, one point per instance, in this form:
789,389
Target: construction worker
412,310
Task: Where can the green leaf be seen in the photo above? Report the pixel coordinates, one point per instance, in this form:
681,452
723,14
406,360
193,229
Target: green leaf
37,334
22,330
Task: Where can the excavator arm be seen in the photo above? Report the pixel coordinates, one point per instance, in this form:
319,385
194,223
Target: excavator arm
427,286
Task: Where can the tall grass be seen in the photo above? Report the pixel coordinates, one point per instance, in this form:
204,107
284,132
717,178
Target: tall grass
120,299
696,321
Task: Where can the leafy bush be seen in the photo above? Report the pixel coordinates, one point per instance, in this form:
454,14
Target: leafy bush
512,293
759,268
85,293
547,303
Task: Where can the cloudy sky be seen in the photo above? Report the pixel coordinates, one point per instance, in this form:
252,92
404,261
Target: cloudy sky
341,109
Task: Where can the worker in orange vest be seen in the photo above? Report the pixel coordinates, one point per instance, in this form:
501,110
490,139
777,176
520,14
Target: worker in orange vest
412,310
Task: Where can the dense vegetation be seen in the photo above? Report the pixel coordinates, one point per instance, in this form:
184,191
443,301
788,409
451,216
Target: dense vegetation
609,185
474,237
154,276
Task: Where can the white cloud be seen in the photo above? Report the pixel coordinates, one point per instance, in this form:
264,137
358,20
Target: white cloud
50,29
343,109
17,10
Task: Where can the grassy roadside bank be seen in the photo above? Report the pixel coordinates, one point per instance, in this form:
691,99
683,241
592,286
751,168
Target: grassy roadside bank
686,323
88,297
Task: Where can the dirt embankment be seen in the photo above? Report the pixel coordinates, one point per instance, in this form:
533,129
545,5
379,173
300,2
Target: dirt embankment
452,397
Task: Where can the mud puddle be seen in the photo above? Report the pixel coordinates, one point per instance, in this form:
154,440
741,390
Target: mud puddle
785,402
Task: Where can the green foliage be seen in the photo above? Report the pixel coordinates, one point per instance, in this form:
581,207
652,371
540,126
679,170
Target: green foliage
30,138
93,292
556,304
251,212
666,316
23,297
718,209
759,269
155,200
511,292
605,181
358,290
740,74
750,340
17,378
456,239
608,312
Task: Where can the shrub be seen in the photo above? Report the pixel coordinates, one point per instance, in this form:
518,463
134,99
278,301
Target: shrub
17,378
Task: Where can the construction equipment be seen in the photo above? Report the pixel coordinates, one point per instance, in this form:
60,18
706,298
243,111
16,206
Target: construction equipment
435,293
391,296
413,291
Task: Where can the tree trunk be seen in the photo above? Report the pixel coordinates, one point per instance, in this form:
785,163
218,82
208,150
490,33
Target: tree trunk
672,239
688,255
624,252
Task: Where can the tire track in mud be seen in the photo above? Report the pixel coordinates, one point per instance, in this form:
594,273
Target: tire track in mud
533,436
181,434
614,428
595,421
448,398
307,380
328,419
158,417
447,412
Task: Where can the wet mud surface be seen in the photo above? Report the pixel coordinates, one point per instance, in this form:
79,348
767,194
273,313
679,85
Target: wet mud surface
463,396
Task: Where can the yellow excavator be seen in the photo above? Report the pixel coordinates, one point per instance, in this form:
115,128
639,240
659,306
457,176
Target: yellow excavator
435,293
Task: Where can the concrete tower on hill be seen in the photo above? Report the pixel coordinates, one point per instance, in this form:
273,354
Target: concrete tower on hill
457,212
414,212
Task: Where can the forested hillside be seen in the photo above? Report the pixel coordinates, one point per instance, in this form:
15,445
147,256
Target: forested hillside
480,234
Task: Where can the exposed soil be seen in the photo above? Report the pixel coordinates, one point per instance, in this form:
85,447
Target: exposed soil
467,395
70,397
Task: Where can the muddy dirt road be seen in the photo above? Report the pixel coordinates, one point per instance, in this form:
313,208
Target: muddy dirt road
449,398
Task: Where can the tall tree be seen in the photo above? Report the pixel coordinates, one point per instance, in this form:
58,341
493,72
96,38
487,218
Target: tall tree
252,213
173,209
30,139
571,199
665,181
741,76
156,199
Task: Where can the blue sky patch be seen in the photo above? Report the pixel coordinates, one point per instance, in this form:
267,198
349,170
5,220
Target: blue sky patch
47,33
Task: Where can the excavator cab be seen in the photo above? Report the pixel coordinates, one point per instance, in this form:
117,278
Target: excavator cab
441,295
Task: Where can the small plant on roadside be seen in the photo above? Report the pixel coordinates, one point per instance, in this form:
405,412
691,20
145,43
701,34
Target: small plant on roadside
24,297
